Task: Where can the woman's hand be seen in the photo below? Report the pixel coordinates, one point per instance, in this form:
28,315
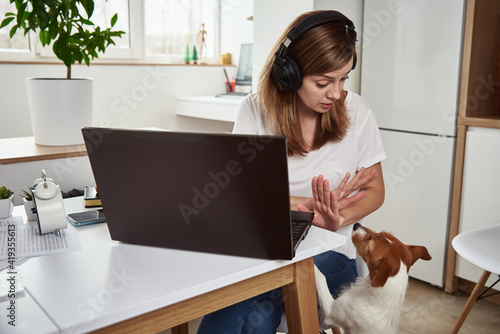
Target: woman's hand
328,204
346,188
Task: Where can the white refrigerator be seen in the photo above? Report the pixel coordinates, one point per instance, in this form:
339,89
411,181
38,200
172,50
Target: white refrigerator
410,74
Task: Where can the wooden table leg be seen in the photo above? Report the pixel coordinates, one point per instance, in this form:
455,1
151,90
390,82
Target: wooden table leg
301,305
181,329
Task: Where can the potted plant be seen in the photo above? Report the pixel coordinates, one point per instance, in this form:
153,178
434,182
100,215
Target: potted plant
29,204
59,108
6,202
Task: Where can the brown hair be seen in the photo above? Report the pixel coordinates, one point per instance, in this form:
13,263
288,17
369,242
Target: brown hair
320,50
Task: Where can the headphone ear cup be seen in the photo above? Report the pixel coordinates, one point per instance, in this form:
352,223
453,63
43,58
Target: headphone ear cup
286,75
295,73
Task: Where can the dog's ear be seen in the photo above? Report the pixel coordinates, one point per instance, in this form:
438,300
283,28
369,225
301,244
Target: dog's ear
380,273
419,252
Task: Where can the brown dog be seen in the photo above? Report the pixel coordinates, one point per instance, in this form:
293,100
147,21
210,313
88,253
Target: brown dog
373,304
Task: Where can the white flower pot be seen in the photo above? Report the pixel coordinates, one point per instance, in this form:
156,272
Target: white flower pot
59,108
28,205
6,206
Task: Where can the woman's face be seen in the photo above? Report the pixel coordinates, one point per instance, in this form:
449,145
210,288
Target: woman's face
319,92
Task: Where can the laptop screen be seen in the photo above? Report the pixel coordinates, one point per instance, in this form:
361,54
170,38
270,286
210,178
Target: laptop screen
219,193
244,73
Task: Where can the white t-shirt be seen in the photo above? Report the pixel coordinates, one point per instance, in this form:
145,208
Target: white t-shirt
361,147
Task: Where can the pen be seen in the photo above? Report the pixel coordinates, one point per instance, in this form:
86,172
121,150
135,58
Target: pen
228,85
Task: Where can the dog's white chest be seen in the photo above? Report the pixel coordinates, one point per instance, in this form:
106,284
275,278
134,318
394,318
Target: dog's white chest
363,308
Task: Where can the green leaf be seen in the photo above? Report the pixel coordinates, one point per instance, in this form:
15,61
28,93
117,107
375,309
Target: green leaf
43,19
87,60
113,20
20,13
78,55
88,5
12,31
44,37
19,3
23,23
87,22
56,20
61,49
53,29
5,192
32,19
6,22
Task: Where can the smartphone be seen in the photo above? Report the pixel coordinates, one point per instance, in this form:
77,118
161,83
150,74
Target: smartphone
86,217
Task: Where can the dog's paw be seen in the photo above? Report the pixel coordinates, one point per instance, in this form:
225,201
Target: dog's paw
325,299
321,285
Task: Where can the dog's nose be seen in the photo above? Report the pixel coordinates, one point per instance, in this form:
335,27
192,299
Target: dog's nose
356,226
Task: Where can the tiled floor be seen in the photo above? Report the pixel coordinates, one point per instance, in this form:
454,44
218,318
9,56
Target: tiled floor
429,310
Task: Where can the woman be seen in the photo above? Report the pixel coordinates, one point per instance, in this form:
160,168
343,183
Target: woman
333,141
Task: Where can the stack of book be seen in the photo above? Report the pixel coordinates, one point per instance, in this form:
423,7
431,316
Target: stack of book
91,197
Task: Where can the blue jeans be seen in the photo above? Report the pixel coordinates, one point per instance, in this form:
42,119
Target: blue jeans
262,314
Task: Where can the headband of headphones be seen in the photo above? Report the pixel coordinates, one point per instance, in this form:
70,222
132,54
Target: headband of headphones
286,73
318,19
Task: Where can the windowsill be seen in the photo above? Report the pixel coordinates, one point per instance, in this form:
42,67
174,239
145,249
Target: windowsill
110,63
24,149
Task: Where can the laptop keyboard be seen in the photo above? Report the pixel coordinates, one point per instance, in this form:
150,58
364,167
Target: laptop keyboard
299,230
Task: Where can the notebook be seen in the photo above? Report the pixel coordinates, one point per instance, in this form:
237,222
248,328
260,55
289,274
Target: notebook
217,193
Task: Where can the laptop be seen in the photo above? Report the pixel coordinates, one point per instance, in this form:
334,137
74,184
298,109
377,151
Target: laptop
216,193
243,74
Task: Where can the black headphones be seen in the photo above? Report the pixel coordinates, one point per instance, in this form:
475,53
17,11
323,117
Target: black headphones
285,72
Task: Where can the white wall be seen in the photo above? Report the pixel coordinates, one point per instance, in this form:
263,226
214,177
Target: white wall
270,20
353,9
124,96
235,27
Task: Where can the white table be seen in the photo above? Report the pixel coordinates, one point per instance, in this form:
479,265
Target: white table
29,318
109,282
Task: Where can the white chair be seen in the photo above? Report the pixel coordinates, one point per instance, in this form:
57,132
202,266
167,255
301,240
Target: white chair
362,272
481,247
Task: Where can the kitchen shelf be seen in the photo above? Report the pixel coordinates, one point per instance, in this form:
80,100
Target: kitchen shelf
24,149
480,62
481,121
208,107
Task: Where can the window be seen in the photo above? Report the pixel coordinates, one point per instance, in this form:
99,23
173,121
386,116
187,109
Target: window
175,27
19,43
155,31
